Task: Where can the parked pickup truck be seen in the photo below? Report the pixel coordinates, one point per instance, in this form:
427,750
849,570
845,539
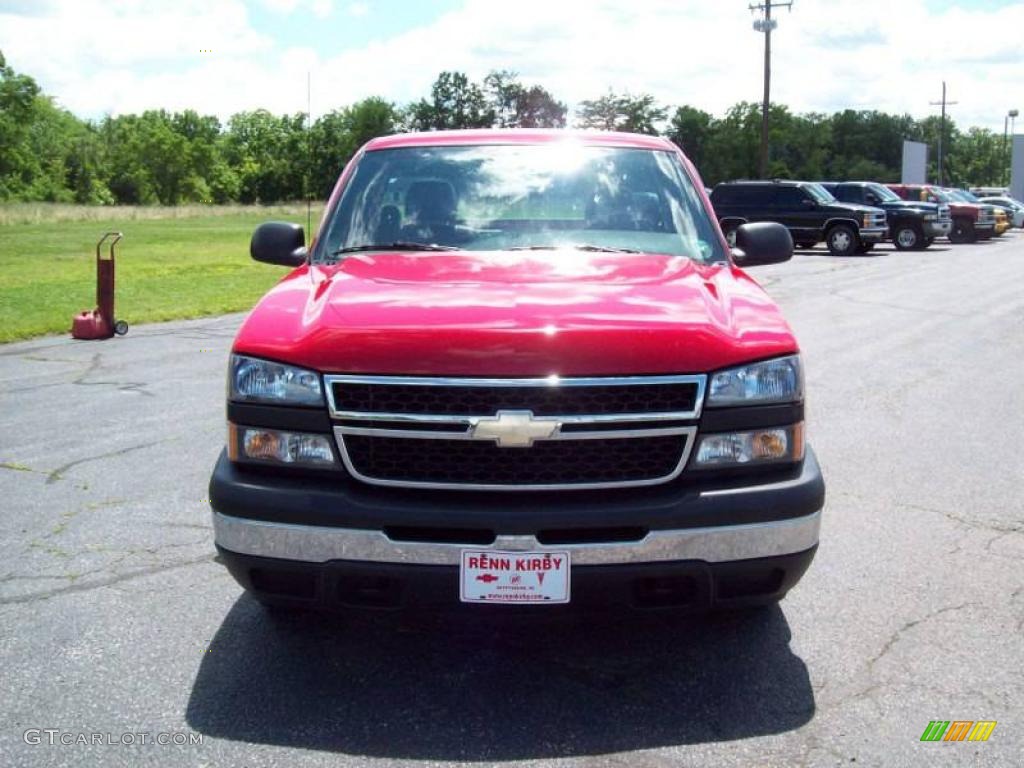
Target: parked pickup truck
517,367
1002,221
912,225
971,221
809,212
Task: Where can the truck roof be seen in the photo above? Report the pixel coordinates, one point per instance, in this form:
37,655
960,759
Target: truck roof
518,136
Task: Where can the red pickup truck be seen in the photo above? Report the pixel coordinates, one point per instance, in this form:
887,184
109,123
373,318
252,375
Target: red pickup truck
971,222
517,367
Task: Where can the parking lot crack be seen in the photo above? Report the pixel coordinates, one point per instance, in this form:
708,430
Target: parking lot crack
930,311
14,466
906,627
101,583
58,474
95,365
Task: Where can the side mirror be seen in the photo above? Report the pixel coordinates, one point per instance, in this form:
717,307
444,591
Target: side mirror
763,242
870,198
279,242
807,203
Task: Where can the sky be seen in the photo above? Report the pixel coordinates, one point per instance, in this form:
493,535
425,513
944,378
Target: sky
100,57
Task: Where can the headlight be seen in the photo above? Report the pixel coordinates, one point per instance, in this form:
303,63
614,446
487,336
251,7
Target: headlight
930,217
773,381
760,446
261,381
278,447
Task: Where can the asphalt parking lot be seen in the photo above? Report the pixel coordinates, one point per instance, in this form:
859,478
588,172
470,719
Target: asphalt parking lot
116,619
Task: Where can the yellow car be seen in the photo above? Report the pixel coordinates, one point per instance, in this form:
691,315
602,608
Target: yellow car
1002,222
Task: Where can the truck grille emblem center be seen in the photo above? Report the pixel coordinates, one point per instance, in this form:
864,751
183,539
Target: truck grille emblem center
514,429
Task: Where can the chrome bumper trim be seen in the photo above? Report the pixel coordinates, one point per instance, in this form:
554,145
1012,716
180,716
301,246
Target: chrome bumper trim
319,544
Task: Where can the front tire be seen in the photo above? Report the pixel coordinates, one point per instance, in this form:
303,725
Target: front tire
842,240
907,237
963,232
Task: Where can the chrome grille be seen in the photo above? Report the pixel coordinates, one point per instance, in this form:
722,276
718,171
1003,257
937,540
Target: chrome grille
944,213
515,434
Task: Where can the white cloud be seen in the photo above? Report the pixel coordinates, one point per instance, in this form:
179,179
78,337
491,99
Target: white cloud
828,54
321,9
358,9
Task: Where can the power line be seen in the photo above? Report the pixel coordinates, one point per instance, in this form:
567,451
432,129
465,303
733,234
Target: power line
766,24
942,127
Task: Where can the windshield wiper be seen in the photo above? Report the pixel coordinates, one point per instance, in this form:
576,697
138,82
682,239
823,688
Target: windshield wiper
398,245
592,248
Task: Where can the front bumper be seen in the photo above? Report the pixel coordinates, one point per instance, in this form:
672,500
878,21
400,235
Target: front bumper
315,540
686,585
937,228
873,234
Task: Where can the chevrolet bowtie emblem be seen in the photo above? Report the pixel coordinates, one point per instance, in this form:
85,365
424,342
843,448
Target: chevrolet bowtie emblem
514,429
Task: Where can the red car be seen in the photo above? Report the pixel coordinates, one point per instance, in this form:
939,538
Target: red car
517,367
971,221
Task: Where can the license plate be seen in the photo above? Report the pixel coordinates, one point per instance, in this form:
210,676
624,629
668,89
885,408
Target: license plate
487,576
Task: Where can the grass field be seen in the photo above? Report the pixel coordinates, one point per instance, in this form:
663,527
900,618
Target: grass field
172,263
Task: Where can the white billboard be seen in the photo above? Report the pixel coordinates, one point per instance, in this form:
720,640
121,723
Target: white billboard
915,162
1017,168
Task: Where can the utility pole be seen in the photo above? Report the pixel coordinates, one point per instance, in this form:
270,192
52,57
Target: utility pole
766,24
942,127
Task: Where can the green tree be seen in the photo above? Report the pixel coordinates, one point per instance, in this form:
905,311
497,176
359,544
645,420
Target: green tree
690,129
622,112
336,136
517,106
267,153
455,102
734,145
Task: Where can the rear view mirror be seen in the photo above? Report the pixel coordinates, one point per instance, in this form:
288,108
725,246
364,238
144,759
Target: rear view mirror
279,242
763,242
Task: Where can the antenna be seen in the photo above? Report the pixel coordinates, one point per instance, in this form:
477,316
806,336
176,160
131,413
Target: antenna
309,156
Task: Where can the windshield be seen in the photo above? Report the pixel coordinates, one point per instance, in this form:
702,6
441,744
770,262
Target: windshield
884,194
544,196
962,195
819,193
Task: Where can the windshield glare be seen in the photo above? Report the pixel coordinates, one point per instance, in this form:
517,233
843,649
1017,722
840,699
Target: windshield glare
884,194
819,193
496,197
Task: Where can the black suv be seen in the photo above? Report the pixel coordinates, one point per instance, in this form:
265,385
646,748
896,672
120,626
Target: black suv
913,226
809,212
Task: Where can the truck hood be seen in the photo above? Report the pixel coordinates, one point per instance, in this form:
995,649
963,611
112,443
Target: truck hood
894,205
523,313
854,207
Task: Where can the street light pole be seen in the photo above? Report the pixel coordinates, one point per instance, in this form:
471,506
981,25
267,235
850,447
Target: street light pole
766,24
1011,115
